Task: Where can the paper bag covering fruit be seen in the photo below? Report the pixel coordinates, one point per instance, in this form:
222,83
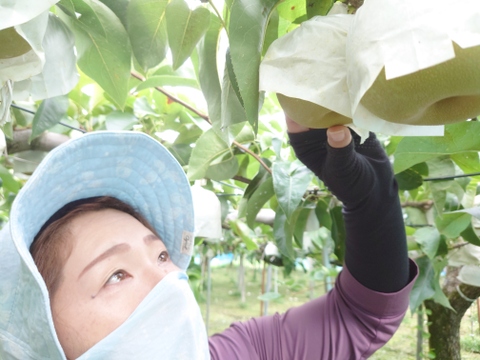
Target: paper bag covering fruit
407,66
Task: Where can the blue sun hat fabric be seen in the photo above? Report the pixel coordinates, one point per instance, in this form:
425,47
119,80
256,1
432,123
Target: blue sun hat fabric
129,166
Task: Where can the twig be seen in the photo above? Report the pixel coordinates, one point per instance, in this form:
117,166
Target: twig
174,98
206,118
451,177
33,113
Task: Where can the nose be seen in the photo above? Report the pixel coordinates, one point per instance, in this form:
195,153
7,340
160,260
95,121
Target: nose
154,273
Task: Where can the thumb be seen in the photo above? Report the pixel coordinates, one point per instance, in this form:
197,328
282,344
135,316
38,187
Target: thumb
339,136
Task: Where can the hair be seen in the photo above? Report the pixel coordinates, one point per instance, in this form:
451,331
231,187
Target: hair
52,246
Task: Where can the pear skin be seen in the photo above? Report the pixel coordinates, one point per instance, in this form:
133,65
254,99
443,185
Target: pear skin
445,93
13,44
310,114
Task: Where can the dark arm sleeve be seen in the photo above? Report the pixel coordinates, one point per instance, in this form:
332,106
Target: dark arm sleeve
361,176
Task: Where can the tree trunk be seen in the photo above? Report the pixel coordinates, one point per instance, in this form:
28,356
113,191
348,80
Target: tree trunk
444,323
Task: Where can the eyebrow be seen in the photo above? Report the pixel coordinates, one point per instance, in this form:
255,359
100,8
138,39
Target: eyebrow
116,249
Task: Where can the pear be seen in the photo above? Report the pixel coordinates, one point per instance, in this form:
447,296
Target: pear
310,114
13,45
442,94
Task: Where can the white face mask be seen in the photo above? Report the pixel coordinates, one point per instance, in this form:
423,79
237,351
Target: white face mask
166,325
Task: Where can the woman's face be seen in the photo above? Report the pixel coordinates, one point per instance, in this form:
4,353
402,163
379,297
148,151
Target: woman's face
114,263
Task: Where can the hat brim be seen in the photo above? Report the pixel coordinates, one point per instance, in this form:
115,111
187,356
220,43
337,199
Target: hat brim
130,166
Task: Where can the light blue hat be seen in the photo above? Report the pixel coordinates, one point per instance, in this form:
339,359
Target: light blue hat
130,166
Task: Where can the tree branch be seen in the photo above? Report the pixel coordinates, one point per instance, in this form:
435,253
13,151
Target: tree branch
45,142
205,117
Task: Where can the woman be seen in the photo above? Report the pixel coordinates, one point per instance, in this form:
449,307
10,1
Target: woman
100,236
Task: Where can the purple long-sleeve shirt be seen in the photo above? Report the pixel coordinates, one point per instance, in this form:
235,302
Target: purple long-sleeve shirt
350,322
370,298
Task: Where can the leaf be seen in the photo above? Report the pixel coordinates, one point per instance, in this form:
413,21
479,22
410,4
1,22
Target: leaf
409,179
245,233
429,240
424,287
339,233
283,233
166,80
271,33
458,138
185,29
292,10
467,161
147,30
470,235
247,27
323,216
119,7
300,225
207,148
117,120
208,71
8,181
290,183
181,152
103,47
224,170
318,7
452,224
439,296
49,113
263,193
232,112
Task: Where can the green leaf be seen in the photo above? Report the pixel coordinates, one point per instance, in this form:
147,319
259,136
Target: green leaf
452,224
292,10
300,225
283,233
232,111
323,216
245,233
185,29
318,7
248,23
409,179
207,148
467,161
208,71
117,120
458,138
103,47
119,7
8,181
290,183
49,113
429,240
259,198
271,34
226,169
424,287
181,152
339,233
147,30
470,235
439,296
167,80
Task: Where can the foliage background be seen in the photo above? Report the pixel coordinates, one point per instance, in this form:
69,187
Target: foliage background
186,72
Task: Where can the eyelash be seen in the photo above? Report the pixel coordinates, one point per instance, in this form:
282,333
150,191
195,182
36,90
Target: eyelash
162,258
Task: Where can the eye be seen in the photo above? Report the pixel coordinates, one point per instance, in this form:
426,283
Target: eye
117,277
163,257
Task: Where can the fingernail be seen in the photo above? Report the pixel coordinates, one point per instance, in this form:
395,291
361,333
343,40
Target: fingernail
337,136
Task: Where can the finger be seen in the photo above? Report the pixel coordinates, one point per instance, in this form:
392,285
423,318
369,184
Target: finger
339,136
293,127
